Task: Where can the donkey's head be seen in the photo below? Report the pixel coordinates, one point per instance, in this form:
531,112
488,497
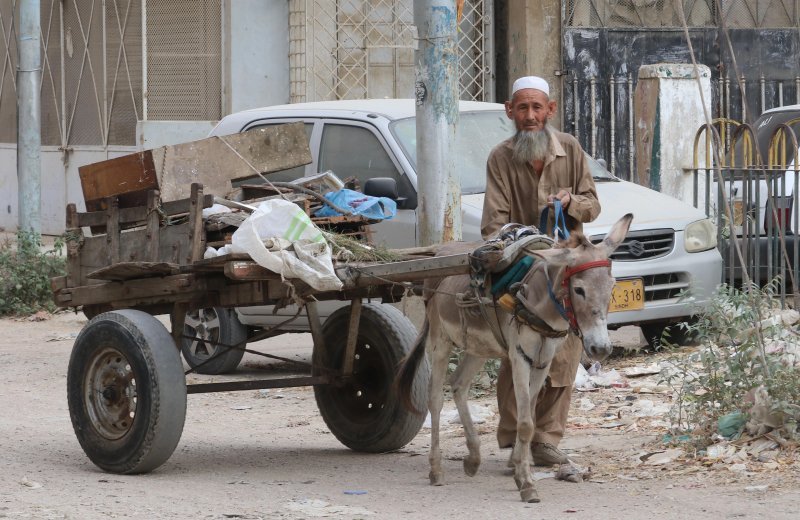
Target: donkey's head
584,284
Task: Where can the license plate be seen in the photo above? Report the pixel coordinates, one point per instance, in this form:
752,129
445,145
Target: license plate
627,295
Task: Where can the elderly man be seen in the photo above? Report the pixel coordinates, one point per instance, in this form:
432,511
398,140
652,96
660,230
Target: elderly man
523,174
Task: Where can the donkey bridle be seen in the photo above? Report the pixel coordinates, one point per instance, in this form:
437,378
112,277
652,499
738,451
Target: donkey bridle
565,307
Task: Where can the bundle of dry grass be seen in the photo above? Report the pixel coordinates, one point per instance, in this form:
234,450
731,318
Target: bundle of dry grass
347,249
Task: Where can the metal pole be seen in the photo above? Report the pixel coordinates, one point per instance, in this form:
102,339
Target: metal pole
29,123
436,93
593,97
612,83
631,143
145,91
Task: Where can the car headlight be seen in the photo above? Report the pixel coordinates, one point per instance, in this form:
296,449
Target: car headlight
700,236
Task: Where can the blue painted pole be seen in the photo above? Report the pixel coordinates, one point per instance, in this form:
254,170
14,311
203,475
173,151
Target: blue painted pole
437,93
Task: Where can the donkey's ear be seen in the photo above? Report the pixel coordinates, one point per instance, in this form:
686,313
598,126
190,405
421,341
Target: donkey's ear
617,234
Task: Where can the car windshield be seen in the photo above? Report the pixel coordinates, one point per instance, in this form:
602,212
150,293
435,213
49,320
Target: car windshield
476,134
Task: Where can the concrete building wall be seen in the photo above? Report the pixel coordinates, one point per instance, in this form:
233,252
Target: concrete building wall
60,183
255,71
533,39
668,109
258,54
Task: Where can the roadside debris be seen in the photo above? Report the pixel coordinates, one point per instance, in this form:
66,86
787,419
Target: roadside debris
660,458
572,472
480,414
30,483
634,394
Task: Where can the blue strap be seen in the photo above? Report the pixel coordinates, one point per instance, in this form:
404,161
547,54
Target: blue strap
561,310
560,224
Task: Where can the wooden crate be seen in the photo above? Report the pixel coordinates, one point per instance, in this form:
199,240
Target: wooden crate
213,162
149,240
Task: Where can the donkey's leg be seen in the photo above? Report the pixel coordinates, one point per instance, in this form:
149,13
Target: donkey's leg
521,456
539,360
440,348
461,381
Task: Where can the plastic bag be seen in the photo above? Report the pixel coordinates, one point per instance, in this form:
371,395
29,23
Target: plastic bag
284,225
376,208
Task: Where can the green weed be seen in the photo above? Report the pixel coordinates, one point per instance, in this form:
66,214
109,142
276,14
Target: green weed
25,273
745,372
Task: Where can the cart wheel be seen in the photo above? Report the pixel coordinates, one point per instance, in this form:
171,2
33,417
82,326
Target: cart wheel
365,413
126,392
213,326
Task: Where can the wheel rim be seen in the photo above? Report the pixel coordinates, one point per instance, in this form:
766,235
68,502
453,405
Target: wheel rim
367,392
110,393
204,325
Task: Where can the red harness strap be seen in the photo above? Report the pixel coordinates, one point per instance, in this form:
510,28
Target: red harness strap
568,272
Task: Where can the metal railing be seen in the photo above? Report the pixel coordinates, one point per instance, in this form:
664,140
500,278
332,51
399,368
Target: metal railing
753,200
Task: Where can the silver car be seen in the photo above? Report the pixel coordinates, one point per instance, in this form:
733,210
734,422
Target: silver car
670,249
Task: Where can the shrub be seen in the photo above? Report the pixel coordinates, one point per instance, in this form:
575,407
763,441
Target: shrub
25,273
747,368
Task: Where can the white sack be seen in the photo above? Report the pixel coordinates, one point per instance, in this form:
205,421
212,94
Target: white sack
286,224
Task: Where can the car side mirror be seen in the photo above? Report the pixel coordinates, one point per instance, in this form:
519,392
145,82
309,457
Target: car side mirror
381,187
384,187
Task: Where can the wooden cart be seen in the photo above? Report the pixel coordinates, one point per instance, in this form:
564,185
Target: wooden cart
126,382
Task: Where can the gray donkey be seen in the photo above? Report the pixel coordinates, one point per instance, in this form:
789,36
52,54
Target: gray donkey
568,287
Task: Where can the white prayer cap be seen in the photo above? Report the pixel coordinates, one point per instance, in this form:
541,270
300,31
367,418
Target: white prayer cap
531,82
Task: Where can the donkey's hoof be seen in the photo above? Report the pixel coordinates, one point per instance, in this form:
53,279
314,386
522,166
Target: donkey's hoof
437,479
471,466
530,495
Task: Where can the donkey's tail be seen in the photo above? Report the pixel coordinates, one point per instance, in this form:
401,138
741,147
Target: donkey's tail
408,370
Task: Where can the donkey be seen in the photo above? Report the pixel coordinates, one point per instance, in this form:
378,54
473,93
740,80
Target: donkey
568,287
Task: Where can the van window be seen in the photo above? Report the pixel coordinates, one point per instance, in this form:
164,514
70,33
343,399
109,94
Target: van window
354,151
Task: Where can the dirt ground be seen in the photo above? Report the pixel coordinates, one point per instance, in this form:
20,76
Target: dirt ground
268,454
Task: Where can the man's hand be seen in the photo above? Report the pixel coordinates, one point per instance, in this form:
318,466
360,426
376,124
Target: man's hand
563,196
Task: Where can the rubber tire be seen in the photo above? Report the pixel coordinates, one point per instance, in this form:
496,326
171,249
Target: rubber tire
385,336
231,332
160,408
677,335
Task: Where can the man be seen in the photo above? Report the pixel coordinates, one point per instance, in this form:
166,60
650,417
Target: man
523,174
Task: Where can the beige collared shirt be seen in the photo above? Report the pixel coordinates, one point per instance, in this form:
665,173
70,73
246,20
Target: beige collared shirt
514,193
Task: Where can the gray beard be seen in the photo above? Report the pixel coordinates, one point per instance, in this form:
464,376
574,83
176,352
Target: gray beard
529,146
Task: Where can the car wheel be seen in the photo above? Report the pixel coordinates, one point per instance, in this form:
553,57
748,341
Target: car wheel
676,334
365,413
126,392
213,328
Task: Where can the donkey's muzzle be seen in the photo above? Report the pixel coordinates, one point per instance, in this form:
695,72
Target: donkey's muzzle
598,351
